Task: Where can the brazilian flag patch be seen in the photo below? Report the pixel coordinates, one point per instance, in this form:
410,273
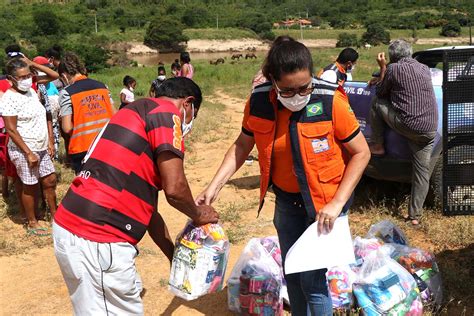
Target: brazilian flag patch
314,109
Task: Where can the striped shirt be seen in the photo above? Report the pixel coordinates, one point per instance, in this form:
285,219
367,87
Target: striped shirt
113,197
407,84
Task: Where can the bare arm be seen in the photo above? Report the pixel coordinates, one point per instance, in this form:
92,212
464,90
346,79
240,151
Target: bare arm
159,233
177,191
123,98
184,70
233,160
50,73
10,125
359,158
151,93
66,124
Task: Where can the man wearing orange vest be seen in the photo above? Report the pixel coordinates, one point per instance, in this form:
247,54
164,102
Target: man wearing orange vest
86,107
340,71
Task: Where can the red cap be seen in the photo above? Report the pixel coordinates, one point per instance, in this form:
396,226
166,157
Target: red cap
41,60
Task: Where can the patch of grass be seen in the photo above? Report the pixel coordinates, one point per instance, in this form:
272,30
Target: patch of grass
163,282
314,33
227,33
237,233
231,212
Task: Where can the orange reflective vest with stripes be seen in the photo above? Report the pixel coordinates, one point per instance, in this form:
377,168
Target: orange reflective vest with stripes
319,162
92,109
338,69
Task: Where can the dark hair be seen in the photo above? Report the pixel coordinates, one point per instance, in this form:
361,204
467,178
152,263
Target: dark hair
13,65
184,57
127,80
13,48
347,54
285,58
72,65
161,68
175,65
280,39
180,87
54,52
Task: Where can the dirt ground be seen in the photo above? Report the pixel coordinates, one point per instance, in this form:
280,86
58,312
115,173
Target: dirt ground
32,283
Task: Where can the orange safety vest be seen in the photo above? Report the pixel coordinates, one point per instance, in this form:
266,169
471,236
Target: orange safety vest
318,158
92,109
340,72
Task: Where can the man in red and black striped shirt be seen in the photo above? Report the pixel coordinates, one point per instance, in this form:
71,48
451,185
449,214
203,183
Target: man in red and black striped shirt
113,201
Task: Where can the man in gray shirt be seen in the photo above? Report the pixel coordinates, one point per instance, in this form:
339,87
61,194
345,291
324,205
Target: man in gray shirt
406,102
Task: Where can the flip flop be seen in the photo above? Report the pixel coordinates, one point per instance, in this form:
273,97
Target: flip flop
37,232
409,219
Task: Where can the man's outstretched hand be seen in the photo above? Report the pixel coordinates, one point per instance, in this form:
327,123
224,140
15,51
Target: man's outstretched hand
207,215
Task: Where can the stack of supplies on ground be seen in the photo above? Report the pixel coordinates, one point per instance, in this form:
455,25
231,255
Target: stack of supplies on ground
256,285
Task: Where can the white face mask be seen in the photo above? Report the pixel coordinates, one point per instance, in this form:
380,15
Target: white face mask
24,85
131,89
186,128
351,69
295,103
161,78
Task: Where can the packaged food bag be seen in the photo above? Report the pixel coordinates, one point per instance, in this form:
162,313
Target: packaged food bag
363,247
388,232
340,280
199,261
423,267
382,284
255,284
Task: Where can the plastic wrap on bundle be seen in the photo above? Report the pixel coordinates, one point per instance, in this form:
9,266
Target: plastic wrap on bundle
383,286
340,280
388,232
255,283
199,261
363,247
422,265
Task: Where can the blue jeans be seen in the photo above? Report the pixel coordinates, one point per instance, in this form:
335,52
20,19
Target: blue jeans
308,291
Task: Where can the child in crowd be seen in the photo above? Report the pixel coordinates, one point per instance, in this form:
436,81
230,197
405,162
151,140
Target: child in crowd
126,95
176,68
158,81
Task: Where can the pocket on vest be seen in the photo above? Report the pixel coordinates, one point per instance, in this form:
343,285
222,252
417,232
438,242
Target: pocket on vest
260,125
318,141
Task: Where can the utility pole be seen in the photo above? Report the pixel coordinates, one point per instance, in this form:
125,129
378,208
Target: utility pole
301,28
217,21
95,21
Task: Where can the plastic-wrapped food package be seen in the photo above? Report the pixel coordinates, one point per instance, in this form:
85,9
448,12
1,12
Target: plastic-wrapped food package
422,265
340,280
388,232
383,286
255,284
199,261
363,247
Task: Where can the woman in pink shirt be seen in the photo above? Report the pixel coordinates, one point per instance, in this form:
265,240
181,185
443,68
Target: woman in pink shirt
187,70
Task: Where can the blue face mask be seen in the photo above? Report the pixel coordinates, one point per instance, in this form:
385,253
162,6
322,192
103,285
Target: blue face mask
186,128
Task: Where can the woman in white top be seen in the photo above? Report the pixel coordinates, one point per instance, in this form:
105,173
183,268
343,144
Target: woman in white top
126,95
31,141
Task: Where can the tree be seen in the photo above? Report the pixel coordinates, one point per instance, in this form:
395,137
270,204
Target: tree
347,40
376,35
452,29
46,22
166,34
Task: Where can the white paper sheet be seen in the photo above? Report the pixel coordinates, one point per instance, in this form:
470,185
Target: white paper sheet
312,252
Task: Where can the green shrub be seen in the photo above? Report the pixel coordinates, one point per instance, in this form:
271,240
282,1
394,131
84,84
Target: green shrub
376,35
46,23
347,40
452,29
166,34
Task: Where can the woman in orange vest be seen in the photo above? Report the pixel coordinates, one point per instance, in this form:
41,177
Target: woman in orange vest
86,107
312,153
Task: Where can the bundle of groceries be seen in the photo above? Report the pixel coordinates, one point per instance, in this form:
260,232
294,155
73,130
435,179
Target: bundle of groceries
256,285
199,261
388,278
